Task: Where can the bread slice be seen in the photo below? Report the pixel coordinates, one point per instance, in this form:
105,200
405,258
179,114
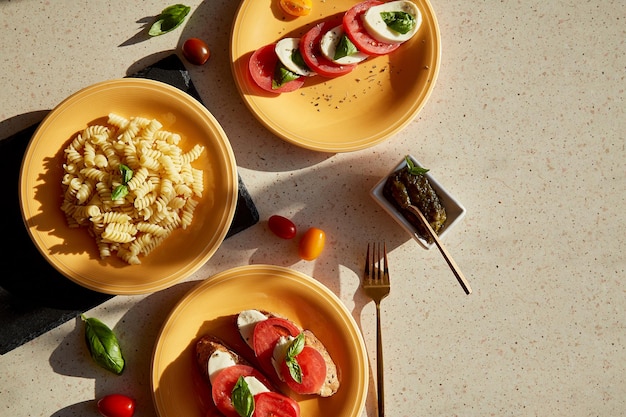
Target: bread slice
332,382
206,346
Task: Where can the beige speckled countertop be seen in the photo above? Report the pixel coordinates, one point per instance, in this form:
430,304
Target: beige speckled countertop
525,126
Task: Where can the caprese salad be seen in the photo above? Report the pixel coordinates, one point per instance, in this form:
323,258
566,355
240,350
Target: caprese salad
334,47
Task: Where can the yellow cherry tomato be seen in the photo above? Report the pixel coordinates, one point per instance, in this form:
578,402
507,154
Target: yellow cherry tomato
296,7
311,244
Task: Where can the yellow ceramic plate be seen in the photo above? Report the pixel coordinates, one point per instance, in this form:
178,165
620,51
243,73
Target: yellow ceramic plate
71,250
178,389
348,113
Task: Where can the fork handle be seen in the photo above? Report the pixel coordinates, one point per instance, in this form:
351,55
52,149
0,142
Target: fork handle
379,365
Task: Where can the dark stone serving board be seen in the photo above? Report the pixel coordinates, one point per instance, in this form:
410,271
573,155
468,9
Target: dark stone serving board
34,297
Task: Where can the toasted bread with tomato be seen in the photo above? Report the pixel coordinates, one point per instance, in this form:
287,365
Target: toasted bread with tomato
226,371
280,346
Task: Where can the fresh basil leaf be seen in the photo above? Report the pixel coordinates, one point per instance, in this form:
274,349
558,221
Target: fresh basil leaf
414,169
282,75
295,347
170,18
120,191
296,57
103,345
242,398
345,47
401,22
126,172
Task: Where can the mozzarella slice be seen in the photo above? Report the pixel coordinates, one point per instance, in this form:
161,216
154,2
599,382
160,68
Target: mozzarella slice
246,320
279,352
219,360
255,386
284,49
328,46
378,29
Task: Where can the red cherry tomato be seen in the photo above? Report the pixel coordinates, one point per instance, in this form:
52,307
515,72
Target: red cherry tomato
196,51
356,31
313,57
261,67
282,227
311,244
116,405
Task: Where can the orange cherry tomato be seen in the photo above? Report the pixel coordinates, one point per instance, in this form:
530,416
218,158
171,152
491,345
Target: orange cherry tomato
311,244
296,7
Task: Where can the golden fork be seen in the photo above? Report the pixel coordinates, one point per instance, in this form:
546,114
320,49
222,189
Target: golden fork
376,285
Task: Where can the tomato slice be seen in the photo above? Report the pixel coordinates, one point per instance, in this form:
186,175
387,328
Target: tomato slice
265,336
224,383
269,404
261,66
313,57
313,369
356,31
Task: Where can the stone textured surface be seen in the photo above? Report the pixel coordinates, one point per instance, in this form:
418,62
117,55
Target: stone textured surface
525,126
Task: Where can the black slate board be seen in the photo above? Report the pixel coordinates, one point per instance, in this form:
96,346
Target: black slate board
34,297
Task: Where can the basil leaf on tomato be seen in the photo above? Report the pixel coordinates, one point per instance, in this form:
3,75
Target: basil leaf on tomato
282,75
103,345
401,22
170,18
242,398
344,48
295,347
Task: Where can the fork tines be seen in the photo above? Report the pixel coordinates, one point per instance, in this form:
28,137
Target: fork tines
376,273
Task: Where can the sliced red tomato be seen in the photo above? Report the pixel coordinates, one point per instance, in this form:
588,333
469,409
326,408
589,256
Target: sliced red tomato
313,369
265,336
313,57
224,383
356,31
273,404
262,64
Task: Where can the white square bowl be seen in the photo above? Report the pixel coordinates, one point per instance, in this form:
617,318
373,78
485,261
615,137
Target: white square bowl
454,209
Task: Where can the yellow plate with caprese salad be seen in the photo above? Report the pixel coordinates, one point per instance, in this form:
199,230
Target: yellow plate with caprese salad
177,385
346,113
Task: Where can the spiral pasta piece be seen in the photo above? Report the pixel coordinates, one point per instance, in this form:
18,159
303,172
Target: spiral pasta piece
159,197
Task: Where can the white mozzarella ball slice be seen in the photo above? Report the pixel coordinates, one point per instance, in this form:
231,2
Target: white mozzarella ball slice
246,320
280,351
378,28
328,46
255,386
284,49
220,359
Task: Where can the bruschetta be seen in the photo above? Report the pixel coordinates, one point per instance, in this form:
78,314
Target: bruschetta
292,354
238,389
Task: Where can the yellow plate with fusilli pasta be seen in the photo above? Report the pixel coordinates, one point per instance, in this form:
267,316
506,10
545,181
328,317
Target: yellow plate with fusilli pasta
128,186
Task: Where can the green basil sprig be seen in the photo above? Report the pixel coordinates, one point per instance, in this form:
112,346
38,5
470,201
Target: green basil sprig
414,169
170,18
401,22
345,47
242,398
103,345
122,190
295,347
